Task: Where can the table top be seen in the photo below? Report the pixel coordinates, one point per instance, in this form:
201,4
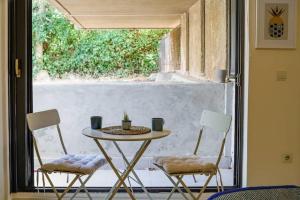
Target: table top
97,134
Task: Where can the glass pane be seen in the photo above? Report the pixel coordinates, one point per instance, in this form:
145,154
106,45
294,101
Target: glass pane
106,72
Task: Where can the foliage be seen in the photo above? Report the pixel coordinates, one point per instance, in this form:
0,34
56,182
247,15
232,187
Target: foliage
126,117
60,48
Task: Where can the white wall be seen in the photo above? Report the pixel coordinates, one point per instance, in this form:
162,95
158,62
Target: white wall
3,106
274,113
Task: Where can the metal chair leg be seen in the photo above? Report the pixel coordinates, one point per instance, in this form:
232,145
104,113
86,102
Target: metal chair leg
59,197
43,178
178,188
186,187
173,182
217,182
221,181
82,186
69,187
52,185
173,190
205,185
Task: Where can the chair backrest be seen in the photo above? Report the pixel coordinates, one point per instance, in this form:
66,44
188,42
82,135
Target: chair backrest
42,119
218,122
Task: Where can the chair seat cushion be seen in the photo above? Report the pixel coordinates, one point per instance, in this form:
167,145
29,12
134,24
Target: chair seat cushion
80,164
185,165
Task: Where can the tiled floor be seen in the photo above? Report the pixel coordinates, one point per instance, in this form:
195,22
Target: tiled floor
123,196
106,178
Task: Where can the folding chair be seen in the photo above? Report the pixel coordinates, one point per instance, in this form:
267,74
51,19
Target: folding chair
78,165
179,166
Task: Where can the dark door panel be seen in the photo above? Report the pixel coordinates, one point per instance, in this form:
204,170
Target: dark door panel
20,94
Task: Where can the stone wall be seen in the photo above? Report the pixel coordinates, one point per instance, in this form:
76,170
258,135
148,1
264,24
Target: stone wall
205,38
180,104
216,36
184,44
170,51
196,53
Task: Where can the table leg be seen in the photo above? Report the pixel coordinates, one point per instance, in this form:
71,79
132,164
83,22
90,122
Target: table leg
133,172
121,181
136,158
111,190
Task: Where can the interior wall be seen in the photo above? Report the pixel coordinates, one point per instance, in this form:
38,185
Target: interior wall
273,112
3,104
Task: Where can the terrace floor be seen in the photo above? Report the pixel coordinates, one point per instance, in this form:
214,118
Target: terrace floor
106,178
82,196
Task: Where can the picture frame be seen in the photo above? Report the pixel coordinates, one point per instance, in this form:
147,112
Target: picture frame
276,24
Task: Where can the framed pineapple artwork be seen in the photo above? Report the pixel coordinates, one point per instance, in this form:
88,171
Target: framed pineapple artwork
276,24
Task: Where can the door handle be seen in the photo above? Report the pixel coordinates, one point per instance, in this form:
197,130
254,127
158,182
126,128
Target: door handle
17,68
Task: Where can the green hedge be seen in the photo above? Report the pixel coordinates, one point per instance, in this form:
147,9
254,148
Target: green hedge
65,49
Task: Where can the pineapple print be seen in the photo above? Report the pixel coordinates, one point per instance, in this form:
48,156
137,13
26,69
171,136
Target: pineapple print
276,24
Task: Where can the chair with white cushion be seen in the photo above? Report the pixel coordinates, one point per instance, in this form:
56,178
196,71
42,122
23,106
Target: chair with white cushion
179,166
78,165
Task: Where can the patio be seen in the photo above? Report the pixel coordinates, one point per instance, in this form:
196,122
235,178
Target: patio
76,102
189,55
151,179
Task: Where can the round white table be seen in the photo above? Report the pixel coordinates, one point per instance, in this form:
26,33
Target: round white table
98,135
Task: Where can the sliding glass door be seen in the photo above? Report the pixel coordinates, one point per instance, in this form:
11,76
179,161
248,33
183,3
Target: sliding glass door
20,95
51,68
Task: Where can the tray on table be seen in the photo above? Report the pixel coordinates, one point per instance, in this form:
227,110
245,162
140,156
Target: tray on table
134,130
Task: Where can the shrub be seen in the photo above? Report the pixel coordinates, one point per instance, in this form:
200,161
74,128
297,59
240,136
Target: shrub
59,48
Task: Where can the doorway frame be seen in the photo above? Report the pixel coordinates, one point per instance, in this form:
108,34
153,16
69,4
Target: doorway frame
20,99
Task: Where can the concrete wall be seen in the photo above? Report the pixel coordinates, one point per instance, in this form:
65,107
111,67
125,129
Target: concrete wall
4,189
181,106
273,112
